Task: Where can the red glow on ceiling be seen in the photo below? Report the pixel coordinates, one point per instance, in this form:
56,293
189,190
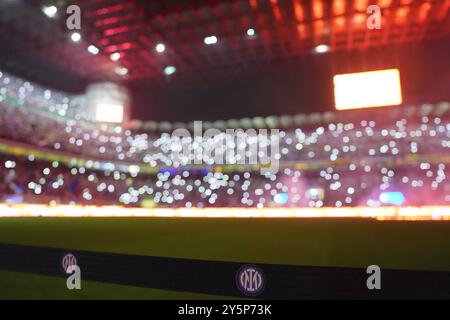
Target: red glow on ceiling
443,10
319,27
359,18
136,27
384,3
401,15
106,21
276,10
339,24
119,47
318,9
298,9
338,7
303,31
423,11
253,3
111,9
361,5
113,31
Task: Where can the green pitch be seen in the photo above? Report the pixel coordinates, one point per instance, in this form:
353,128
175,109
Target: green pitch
15,285
317,242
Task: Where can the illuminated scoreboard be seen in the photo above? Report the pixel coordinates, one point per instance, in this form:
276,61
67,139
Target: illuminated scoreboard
367,89
108,102
110,113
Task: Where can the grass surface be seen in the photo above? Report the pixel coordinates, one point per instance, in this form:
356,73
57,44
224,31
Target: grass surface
319,242
14,285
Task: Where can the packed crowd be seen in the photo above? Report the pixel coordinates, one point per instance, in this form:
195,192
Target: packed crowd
35,97
352,184
373,134
359,139
350,162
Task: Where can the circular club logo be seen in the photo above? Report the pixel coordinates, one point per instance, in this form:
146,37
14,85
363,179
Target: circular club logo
68,260
250,280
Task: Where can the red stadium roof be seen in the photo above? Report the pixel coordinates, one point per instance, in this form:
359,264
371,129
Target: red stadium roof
282,29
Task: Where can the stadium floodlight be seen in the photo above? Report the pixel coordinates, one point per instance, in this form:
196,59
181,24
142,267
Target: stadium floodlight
111,113
250,32
210,40
75,37
93,49
115,56
367,89
170,70
160,48
50,11
322,48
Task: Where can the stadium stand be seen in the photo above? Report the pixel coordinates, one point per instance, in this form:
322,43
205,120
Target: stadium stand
331,159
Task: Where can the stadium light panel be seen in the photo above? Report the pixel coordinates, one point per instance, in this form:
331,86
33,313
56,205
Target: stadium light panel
75,37
93,49
367,89
121,71
115,56
111,113
251,32
50,11
160,48
210,40
170,70
322,48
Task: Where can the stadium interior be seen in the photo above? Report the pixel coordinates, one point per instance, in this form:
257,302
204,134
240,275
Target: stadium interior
323,128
